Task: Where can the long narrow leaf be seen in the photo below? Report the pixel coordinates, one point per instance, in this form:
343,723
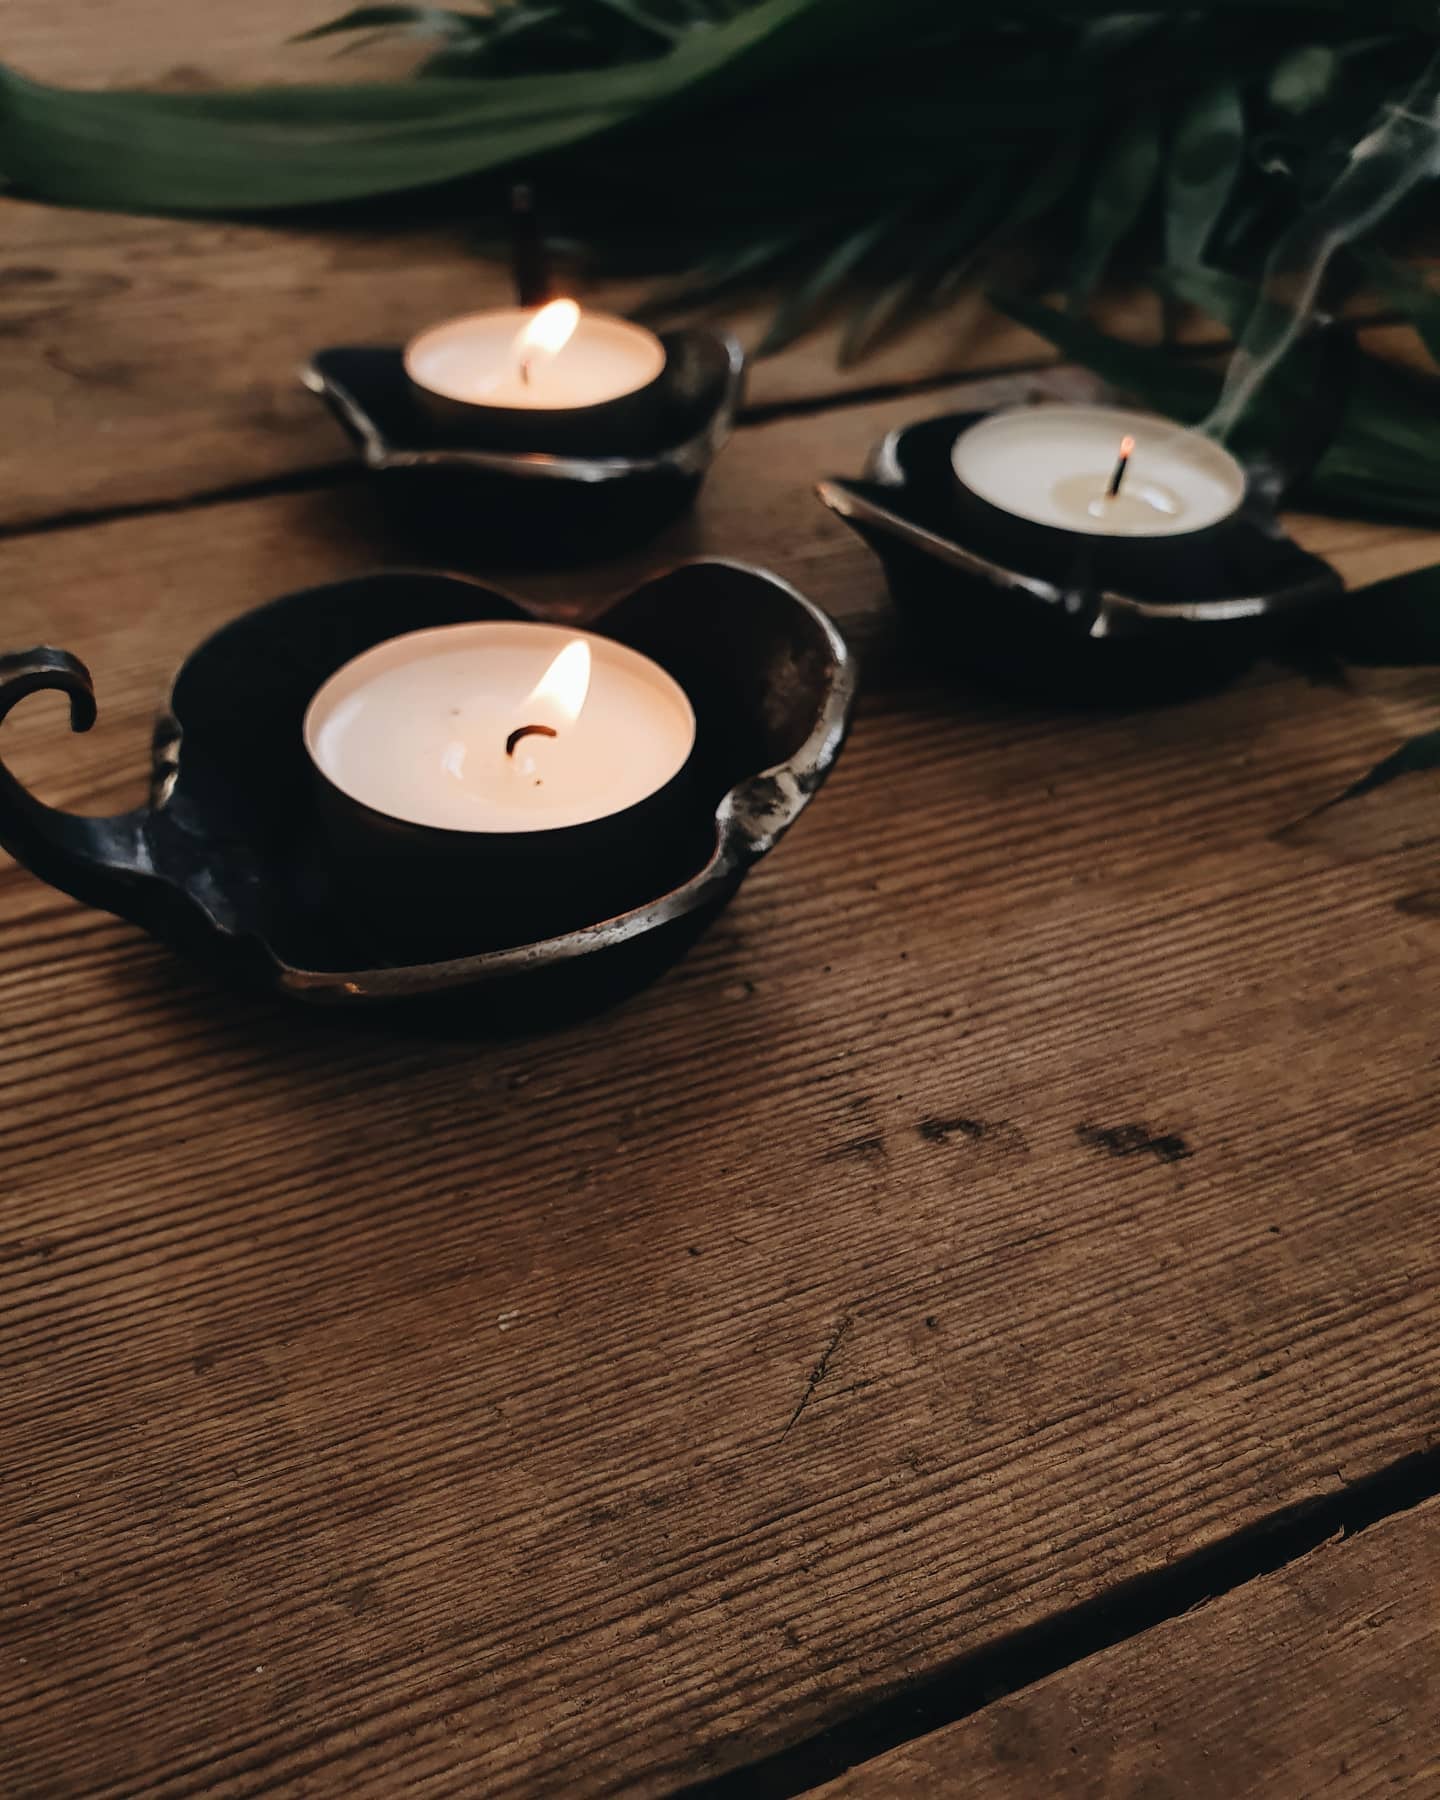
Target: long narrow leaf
1124,182
1392,624
1406,290
265,148
1182,390
1205,159
421,21
1304,77
811,294
1414,758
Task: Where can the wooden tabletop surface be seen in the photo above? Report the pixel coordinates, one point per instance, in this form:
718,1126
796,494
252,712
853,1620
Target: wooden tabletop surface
847,1366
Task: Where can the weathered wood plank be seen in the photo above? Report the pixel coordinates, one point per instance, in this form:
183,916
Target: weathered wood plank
149,361
758,503
1323,1678
392,1413
166,43
152,360
159,360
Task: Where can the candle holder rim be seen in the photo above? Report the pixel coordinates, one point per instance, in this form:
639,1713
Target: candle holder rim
686,456
1109,605
1108,610
741,837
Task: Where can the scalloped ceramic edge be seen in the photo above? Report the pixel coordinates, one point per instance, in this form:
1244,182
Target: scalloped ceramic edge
1113,614
165,874
689,458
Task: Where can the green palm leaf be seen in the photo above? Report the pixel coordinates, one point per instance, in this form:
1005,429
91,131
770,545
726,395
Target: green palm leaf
1204,163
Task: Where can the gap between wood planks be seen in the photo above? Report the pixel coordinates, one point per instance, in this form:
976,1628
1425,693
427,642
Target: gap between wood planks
1028,1656
1018,1661
767,412
298,481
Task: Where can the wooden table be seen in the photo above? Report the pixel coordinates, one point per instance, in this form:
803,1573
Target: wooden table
847,1366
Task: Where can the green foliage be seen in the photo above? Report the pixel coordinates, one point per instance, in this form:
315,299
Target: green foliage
879,155
1381,463
1205,160
1304,78
1414,757
1123,183
835,145
1383,460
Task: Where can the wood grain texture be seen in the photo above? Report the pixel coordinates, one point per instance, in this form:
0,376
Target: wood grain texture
1027,1181
149,361
153,360
171,44
1323,1678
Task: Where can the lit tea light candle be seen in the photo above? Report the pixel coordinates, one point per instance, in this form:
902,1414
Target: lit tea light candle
549,360
500,726
1099,470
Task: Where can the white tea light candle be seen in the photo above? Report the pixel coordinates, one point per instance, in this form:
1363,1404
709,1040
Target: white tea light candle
548,360
500,726
1056,465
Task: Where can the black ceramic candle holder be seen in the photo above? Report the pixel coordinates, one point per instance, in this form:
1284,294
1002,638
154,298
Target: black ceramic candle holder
1066,616
231,859
479,500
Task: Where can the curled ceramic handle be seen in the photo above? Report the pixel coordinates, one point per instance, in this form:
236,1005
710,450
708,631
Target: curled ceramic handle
30,670
100,861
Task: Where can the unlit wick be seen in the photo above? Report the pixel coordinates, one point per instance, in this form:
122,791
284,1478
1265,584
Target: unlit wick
524,731
529,259
1127,445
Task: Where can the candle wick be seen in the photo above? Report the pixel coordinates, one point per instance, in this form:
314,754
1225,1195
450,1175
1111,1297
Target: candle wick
529,259
525,371
524,731
1127,445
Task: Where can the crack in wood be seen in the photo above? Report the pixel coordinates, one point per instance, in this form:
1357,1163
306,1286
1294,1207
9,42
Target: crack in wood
817,1374
296,481
863,1148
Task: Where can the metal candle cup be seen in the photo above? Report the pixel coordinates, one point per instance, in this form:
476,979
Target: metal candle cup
556,381
474,774
1042,479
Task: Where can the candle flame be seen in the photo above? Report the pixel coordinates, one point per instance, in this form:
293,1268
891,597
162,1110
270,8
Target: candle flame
548,332
563,687
1127,445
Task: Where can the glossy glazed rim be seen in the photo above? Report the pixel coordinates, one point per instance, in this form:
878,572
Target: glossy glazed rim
1118,614
685,457
750,818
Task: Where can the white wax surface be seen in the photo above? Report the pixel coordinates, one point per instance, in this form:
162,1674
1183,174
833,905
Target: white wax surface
416,729
475,359
1053,464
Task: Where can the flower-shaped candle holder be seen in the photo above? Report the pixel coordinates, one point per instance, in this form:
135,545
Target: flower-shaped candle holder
232,857
478,498
1070,617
